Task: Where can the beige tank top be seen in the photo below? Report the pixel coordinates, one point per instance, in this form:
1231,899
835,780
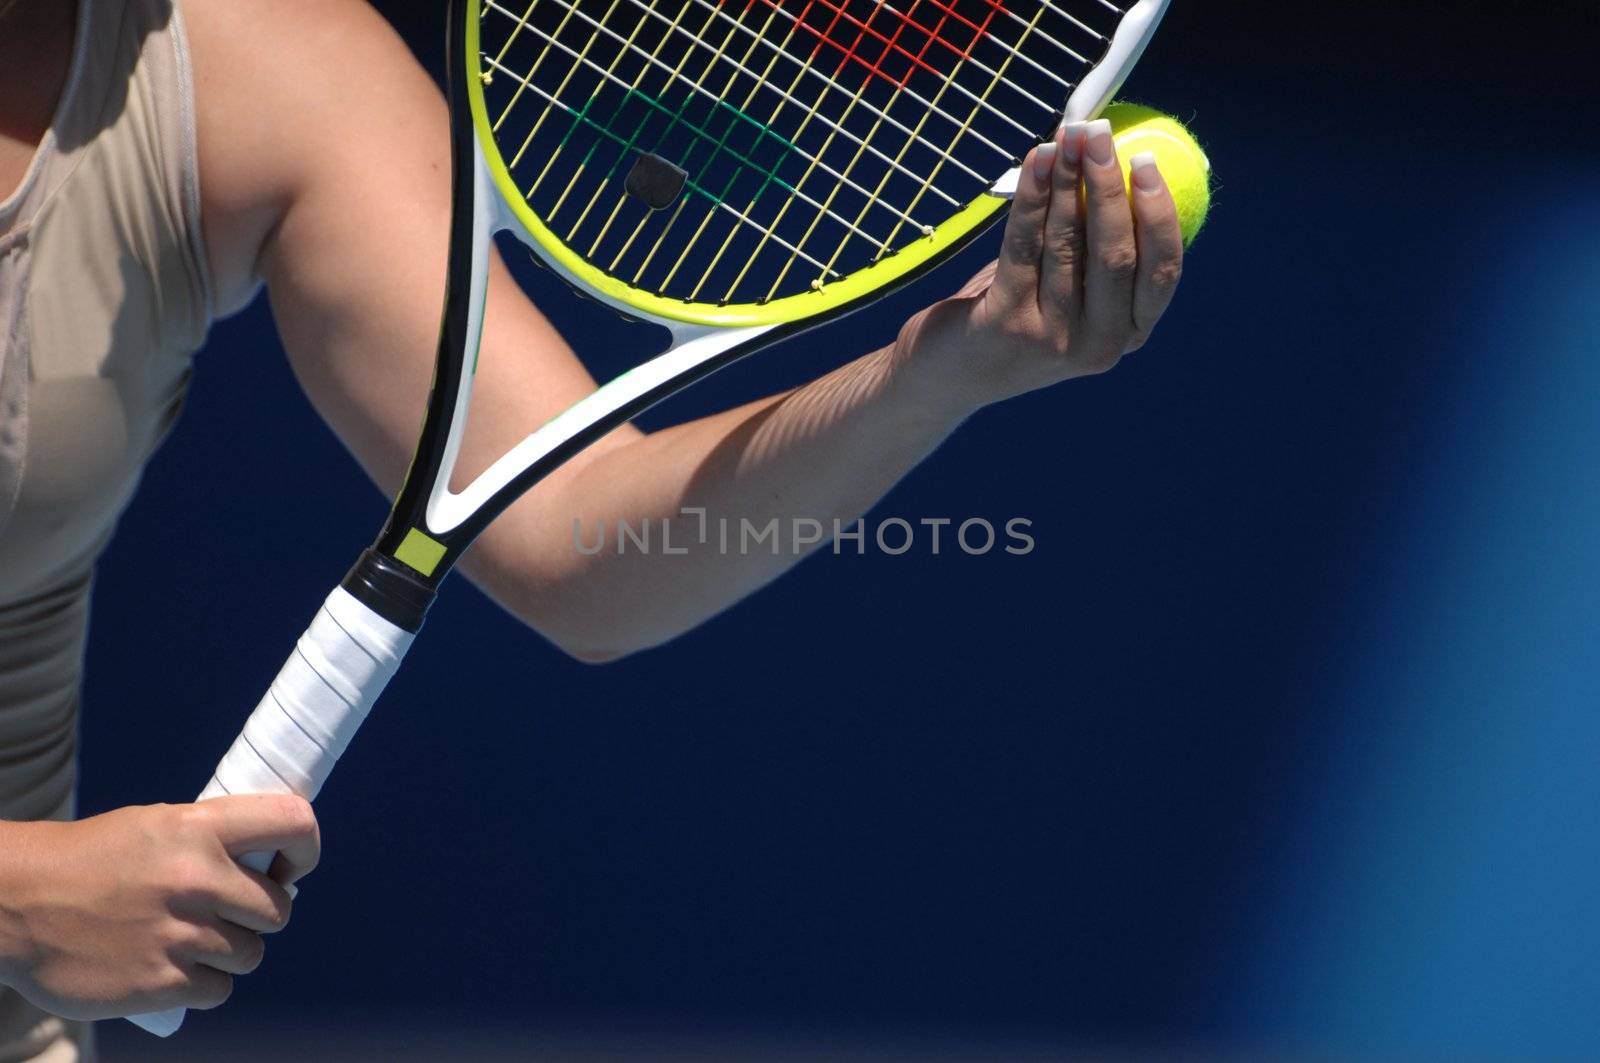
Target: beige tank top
104,297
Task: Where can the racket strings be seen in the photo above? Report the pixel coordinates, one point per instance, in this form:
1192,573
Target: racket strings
607,130
772,117
808,139
696,87
889,48
996,79
810,112
703,174
676,117
811,230
805,66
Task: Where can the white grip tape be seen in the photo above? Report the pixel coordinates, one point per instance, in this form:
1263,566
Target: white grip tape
300,729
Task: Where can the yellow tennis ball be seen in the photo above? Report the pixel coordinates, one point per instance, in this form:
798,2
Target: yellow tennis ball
1183,162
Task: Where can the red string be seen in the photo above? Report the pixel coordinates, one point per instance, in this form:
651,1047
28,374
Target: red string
891,44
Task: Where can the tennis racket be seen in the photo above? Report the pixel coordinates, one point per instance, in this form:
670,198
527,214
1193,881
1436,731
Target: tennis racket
736,171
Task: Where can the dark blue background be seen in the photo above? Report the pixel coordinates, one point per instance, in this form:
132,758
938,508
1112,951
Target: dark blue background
1284,737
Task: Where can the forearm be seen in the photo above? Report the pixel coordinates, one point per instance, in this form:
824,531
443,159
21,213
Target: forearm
824,453
1084,273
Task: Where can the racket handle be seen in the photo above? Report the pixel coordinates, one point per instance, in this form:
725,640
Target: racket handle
303,725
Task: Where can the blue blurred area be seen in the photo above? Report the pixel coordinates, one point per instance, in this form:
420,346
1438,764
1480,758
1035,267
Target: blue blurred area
1433,886
1284,737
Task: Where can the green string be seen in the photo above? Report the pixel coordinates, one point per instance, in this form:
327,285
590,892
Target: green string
581,118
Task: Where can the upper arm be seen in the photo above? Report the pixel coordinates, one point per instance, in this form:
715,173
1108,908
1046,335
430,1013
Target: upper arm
330,138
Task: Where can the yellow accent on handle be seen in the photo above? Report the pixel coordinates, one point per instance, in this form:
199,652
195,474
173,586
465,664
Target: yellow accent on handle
420,551
796,307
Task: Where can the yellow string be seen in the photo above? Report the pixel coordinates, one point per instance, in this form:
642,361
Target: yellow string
998,75
777,110
699,83
524,80
678,209
594,35
916,132
839,185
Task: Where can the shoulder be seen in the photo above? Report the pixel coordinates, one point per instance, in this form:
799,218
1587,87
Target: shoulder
291,95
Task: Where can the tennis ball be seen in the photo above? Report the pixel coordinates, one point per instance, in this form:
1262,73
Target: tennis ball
1183,162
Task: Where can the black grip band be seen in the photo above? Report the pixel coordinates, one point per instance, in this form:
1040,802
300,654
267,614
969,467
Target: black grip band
389,589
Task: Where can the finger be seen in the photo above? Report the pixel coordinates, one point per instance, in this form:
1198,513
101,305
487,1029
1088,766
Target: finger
222,946
1160,237
280,823
1061,272
207,987
289,868
1113,253
256,902
1016,275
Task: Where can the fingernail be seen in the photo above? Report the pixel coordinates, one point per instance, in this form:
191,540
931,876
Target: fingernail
1071,137
1146,174
292,890
1102,148
1044,157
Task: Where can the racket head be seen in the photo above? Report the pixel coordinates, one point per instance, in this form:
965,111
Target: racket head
727,163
